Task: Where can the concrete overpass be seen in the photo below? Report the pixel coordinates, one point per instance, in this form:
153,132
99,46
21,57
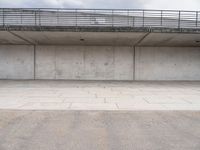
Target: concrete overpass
99,44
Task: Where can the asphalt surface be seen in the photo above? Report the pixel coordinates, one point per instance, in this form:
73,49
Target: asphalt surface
99,130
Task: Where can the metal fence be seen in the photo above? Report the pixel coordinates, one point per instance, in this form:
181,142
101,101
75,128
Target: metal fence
99,17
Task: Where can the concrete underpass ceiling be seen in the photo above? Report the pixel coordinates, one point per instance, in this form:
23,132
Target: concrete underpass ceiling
8,38
80,38
99,38
171,39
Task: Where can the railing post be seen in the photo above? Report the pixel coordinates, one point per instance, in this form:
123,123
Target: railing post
76,19
21,16
3,17
128,17
143,18
161,19
39,18
197,16
133,20
112,18
35,18
57,16
179,19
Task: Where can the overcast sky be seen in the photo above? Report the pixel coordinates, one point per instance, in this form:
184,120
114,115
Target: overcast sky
146,4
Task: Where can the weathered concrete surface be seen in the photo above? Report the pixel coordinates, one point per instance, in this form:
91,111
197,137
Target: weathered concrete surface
77,130
167,63
8,38
99,29
84,62
117,63
16,62
171,39
99,62
100,38
90,38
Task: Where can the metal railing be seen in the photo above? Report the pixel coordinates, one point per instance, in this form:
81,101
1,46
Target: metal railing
99,17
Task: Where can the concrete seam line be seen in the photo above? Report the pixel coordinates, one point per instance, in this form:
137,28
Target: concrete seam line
21,38
142,39
34,61
134,63
55,63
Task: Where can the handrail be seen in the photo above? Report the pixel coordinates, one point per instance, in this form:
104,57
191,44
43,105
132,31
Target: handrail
99,17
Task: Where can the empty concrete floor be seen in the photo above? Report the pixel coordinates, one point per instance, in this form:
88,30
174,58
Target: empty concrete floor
99,130
99,95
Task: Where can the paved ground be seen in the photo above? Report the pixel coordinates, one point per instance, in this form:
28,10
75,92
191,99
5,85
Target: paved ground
99,95
99,130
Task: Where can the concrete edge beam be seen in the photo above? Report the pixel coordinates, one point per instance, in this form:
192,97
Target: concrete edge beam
100,29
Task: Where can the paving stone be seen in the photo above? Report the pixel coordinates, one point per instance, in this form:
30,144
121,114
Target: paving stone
182,107
140,107
84,100
99,95
44,99
164,100
126,100
45,106
192,99
86,106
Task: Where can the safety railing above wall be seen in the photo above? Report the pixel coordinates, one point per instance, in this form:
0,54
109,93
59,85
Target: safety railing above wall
99,17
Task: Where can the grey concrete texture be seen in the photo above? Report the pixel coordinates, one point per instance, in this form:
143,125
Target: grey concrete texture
8,38
99,130
171,39
100,29
84,62
90,38
16,62
142,38
167,63
117,63
99,62
99,95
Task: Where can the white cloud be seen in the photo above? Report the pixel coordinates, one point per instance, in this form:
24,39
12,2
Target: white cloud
147,4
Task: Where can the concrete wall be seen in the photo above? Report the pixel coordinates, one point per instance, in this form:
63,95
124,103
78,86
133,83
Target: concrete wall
84,62
99,63
167,63
16,62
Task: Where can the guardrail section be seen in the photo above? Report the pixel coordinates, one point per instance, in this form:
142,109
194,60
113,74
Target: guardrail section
99,17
